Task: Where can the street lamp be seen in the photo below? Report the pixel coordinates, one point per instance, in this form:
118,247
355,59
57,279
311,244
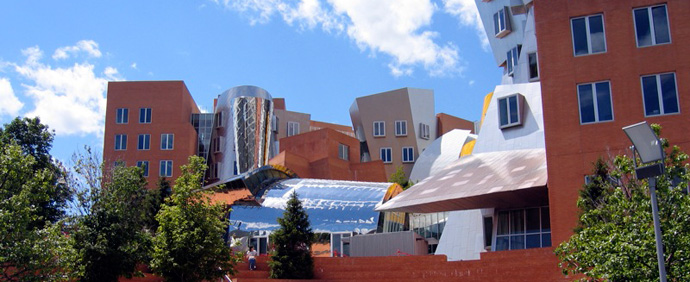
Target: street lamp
648,147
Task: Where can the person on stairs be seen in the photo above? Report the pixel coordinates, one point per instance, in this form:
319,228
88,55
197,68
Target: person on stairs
251,257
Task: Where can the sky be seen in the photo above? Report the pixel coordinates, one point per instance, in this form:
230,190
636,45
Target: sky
56,57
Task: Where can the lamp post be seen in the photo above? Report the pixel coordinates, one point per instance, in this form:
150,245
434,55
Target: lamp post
648,147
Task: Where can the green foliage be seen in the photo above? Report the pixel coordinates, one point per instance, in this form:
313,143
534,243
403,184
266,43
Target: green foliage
188,245
29,251
292,256
155,199
615,239
399,177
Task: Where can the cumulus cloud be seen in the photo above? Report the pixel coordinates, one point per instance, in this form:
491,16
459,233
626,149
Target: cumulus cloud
10,103
89,47
468,15
398,29
70,100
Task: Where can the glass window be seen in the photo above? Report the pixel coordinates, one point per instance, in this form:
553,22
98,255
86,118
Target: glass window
523,228
533,66
588,35
408,154
120,142
400,128
379,128
219,119
509,111
660,94
144,142
343,152
386,155
512,58
122,116
501,22
167,141
145,115
595,102
424,131
144,165
292,128
651,26
165,168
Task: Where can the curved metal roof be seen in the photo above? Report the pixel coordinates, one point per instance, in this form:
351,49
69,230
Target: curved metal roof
442,152
246,91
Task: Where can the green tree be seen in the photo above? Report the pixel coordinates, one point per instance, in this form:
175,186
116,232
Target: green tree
188,245
614,239
399,177
155,200
291,258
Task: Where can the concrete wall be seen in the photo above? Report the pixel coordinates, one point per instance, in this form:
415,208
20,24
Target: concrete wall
387,244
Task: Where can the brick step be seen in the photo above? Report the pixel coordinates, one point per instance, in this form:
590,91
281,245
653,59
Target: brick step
338,280
242,266
397,267
252,274
388,260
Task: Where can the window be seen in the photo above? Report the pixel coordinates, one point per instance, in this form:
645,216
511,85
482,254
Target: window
119,163
595,102
145,115
533,66
144,142
292,128
122,116
523,229
144,165
651,26
512,59
167,141
502,22
386,155
509,109
588,35
216,144
165,169
659,94
219,119
120,142
343,152
400,128
379,129
407,154
424,131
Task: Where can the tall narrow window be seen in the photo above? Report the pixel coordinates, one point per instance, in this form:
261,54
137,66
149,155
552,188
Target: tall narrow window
533,66
219,119
145,115
379,129
144,142
122,116
165,168
512,59
343,152
502,22
386,154
509,110
120,142
400,128
660,94
292,128
144,165
651,26
167,141
408,154
424,131
595,102
588,35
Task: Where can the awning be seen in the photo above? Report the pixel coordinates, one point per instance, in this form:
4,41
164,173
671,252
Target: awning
504,179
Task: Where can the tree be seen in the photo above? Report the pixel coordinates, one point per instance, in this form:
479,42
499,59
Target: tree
399,177
292,256
188,245
614,239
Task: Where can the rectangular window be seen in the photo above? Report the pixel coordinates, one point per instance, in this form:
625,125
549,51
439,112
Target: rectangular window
292,128
167,141
145,115
408,154
502,22
219,119
651,26
379,129
533,66
400,128
144,165
509,110
523,229
512,58
588,35
122,116
424,131
165,168
216,144
386,155
144,142
120,142
595,102
659,94
343,152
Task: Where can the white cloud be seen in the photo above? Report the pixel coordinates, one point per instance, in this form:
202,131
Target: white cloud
133,65
70,100
392,27
468,15
89,47
10,103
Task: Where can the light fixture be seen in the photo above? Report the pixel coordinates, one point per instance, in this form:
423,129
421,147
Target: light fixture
646,142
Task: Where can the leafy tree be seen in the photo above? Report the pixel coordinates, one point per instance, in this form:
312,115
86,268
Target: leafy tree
614,239
399,177
188,245
155,200
292,257
29,252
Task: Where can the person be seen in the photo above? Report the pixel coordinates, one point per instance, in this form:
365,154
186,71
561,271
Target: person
251,256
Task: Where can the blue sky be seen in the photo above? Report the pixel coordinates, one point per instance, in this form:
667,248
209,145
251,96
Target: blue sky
57,56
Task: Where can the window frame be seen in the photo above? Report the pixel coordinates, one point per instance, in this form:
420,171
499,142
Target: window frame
389,155
167,138
144,165
519,108
402,127
167,166
502,27
543,230
660,95
595,102
381,128
146,141
536,63
512,58
589,35
652,32
343,152
122,116
145,115
120,142
408,157
292,128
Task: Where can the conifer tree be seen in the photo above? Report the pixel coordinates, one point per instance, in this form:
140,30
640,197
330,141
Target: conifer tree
291,258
